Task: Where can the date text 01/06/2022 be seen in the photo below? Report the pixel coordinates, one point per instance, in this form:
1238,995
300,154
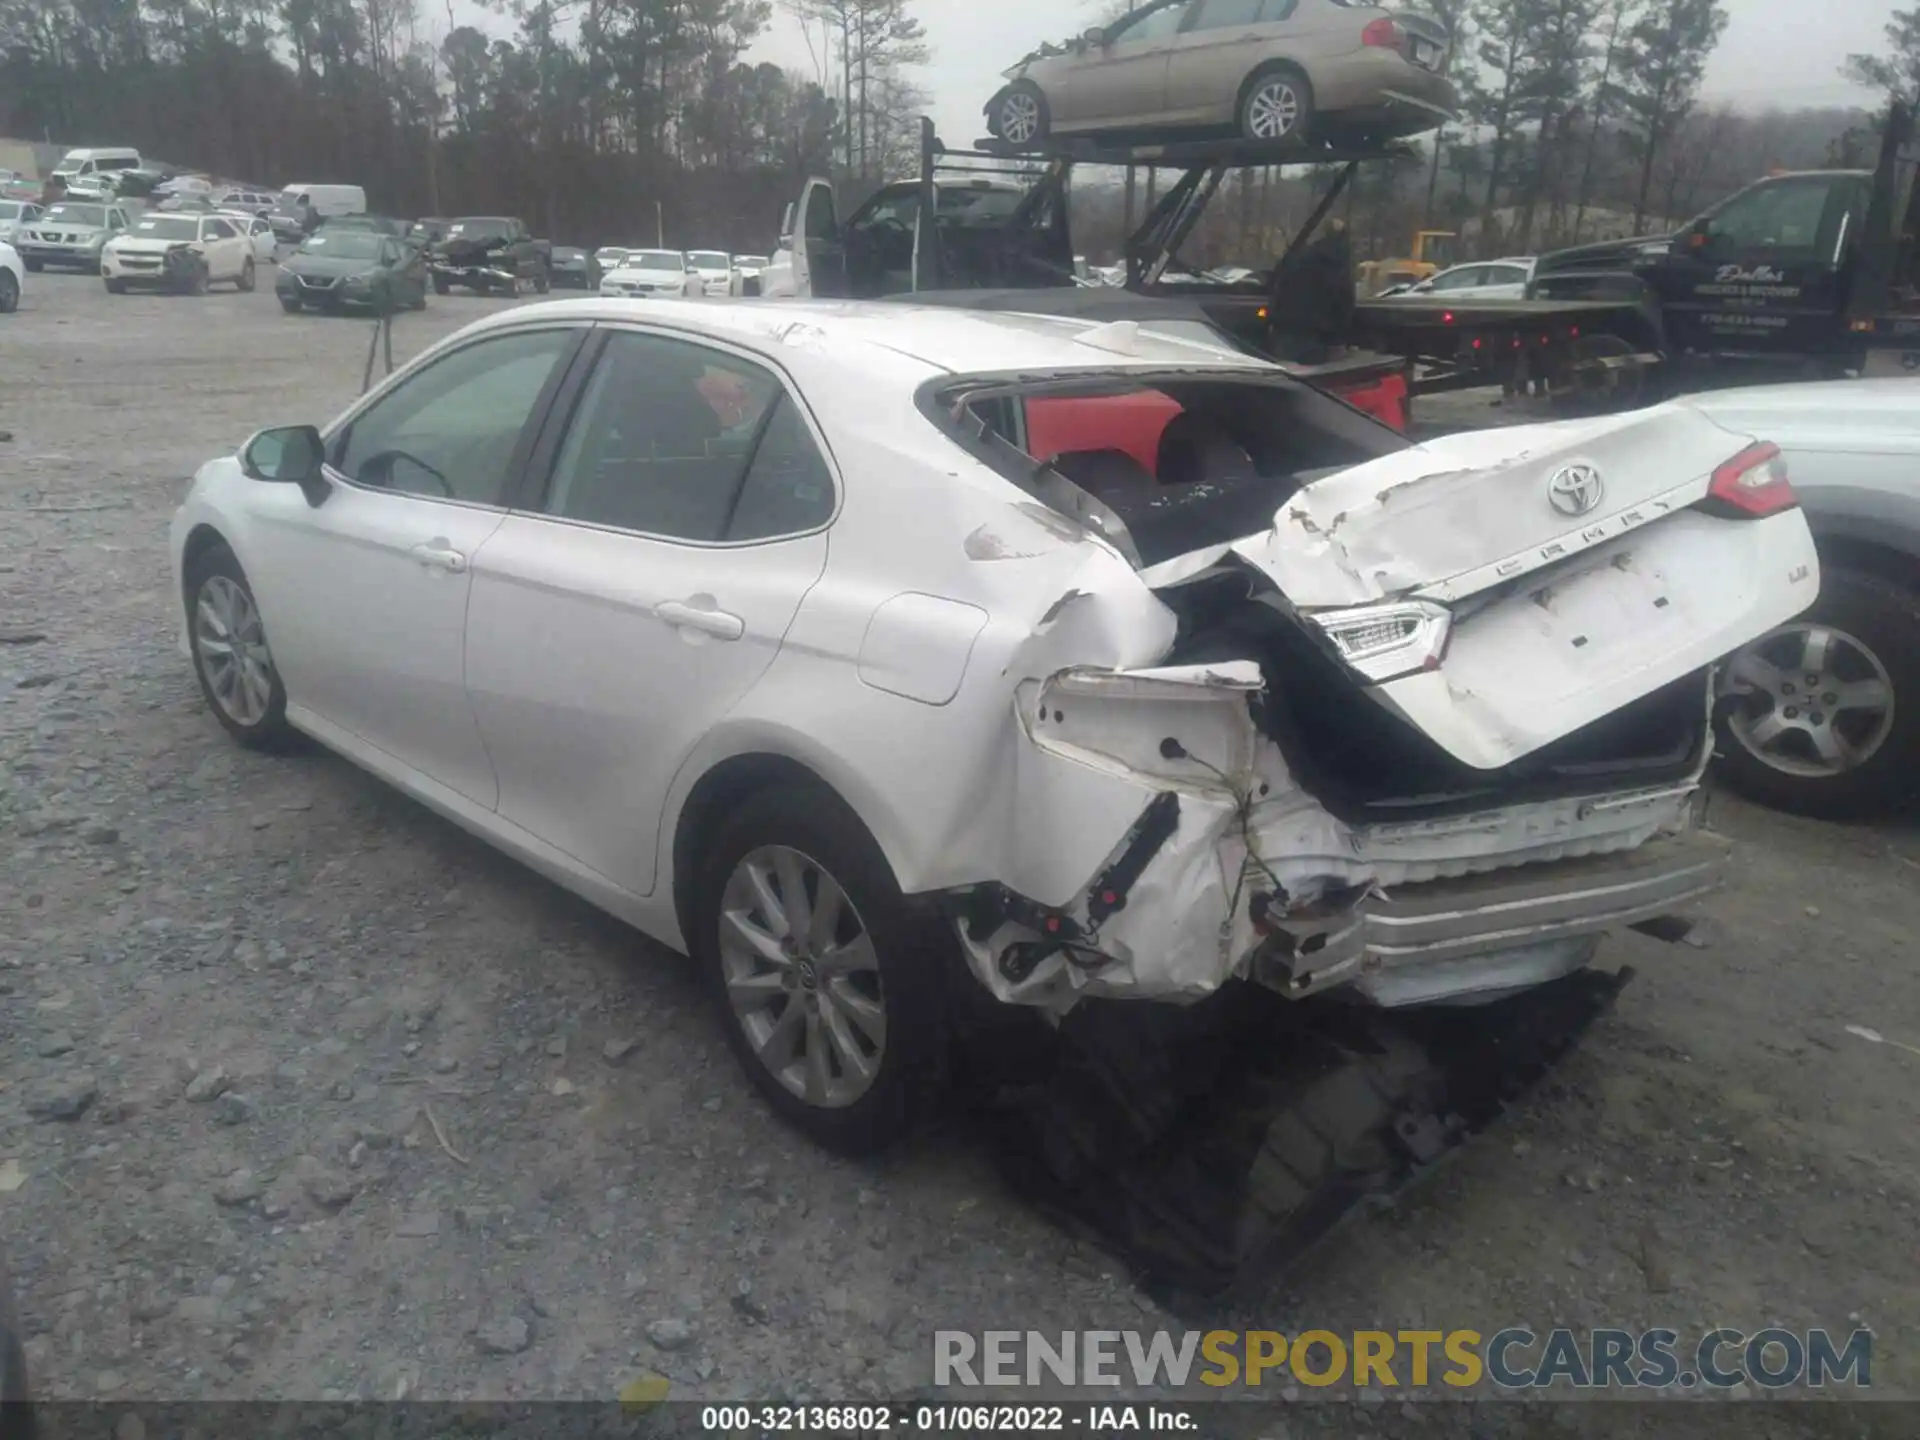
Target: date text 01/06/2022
942,1419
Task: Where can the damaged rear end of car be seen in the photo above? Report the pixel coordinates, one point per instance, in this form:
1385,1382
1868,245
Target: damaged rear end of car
1423,737
1430,721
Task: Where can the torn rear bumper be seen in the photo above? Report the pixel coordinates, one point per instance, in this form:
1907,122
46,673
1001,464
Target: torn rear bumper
1487,935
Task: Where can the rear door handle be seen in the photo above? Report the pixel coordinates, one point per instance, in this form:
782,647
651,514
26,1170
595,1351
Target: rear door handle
717,623
440,557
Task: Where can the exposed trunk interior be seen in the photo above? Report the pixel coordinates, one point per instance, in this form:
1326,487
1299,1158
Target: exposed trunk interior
1366,764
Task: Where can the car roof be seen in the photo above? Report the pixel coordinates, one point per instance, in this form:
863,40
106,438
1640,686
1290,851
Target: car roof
872,336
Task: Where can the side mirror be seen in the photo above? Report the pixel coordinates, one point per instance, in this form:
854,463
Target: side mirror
1699,236
290,455
1096,36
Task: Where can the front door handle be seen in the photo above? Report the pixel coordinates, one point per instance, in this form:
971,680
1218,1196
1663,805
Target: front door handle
440,557
702,618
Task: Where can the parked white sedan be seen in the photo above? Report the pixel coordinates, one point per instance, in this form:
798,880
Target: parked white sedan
1483,280
653,272
768,630
259,234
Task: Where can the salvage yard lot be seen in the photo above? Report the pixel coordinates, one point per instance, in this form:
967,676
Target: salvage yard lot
365,1110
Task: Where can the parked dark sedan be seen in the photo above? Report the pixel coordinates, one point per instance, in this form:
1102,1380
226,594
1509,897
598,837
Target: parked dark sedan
575,268
340,266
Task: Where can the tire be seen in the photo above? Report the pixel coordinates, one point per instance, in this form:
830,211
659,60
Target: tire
245,283
1020,115
1873,640
542,280
292,307
805,832
33,266
441,286
214,577
16,1396
9,293
116,287
1275,106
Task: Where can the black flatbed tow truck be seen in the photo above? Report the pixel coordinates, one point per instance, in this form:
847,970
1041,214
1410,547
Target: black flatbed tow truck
1808,271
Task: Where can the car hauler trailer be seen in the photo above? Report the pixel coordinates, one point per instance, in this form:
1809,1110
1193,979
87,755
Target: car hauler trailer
1611,324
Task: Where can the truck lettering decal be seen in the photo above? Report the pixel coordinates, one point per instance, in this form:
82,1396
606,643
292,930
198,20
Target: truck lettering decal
1758,275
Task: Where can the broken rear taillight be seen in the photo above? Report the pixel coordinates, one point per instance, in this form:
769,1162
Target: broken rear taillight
1754,483
1385,642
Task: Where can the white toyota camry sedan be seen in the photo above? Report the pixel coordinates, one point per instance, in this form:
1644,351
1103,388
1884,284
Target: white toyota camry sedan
873,655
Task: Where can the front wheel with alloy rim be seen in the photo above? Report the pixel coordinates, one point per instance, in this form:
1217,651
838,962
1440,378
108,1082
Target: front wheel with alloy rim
1020,115
245,282
230,653
827,979
1277,105
1821,717
9,293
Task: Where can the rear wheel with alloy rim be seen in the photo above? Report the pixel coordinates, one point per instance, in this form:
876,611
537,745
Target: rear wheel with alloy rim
231,657
1277,105
1822,716
827,979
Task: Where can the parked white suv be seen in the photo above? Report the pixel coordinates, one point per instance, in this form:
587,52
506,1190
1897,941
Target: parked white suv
186,252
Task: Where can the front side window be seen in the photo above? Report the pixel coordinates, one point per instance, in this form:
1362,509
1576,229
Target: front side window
1160,25
1781,216
678,441
449,432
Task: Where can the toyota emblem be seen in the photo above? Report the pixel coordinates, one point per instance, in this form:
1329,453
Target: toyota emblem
1576,489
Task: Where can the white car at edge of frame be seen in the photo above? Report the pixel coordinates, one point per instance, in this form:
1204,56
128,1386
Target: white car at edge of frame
783,646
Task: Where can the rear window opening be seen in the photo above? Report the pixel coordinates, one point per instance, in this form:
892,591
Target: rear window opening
1161,464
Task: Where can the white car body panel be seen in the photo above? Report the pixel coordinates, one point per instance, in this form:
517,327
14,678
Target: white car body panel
258,232
862,658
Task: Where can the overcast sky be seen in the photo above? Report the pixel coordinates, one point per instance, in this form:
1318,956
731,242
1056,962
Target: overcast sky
1781,53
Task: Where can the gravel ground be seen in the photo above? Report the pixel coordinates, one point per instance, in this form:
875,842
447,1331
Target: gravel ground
303,1093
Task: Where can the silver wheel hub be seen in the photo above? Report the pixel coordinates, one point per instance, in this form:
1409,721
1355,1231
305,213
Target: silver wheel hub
1809,700
802,977
231,644
1273,110
1019,118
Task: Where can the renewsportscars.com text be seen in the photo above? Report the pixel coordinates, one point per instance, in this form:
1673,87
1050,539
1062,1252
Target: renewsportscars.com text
1513,1359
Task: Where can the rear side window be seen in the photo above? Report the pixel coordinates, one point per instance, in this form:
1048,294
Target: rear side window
680,442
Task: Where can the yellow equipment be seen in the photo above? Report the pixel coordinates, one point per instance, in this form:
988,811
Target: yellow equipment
1432,252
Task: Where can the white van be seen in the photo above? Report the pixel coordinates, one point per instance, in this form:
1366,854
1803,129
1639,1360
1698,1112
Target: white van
95,161
327,201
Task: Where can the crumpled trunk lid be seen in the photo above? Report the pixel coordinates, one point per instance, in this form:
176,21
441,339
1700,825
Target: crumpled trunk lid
1570,568
1433,513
